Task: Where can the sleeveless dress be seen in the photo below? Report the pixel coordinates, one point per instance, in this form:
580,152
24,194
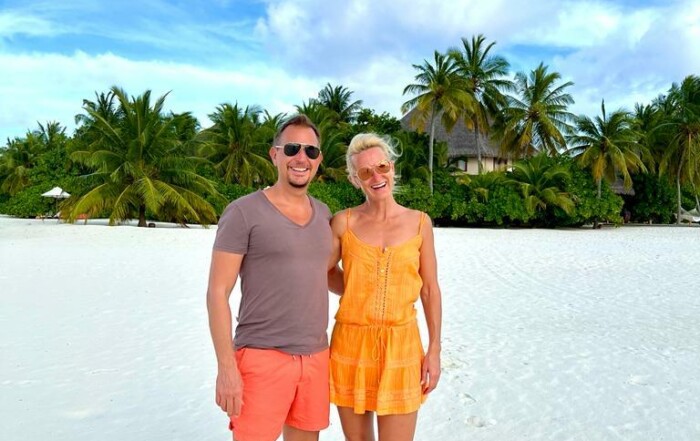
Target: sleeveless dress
376,352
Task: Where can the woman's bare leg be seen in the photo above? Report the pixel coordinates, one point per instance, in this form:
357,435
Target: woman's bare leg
397,427
356,427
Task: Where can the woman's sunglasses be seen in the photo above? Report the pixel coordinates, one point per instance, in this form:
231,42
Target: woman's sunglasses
382,168
292,148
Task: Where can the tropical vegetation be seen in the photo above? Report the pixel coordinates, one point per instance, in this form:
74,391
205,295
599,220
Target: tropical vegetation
131,158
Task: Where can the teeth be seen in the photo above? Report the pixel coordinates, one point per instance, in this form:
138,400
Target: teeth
378,186
299,169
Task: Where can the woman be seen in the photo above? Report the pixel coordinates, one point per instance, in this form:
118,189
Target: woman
388,255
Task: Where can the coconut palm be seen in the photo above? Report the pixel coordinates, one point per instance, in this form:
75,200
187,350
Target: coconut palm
234,148
16,161
105,107
413,162
608,145
52,135
23,154
136,165
439,91
334,139
537,119
485,81
682,156
483,185
645,120
338,99
333,167
268,126
541,183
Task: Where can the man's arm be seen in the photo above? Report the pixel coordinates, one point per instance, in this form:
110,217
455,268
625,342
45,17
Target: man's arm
335,274
222,278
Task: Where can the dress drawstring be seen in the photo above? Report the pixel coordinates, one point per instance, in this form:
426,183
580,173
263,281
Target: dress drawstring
379,337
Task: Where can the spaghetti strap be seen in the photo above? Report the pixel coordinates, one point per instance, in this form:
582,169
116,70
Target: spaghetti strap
347,220
422,221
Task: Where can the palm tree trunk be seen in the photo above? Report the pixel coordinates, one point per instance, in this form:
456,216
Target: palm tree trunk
480,166
678,176
430,147
142,216
600,185
678,189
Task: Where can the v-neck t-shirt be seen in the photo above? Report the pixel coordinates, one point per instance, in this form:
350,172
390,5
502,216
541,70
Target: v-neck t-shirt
284,284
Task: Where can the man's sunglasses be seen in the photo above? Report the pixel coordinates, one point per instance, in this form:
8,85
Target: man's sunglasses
292,148
383,167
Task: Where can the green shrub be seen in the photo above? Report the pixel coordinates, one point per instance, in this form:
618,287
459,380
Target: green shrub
337,195
654,199
29,203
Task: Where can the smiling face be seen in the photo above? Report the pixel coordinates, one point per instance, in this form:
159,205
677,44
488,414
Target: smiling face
378,186
298,170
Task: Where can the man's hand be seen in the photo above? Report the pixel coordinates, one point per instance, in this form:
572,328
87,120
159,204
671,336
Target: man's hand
229,390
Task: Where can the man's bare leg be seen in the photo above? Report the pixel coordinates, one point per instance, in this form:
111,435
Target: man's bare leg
294,434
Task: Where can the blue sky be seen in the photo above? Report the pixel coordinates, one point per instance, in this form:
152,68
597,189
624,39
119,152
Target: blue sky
54,54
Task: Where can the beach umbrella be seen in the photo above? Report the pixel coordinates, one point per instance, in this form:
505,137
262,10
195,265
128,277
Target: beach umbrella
56,193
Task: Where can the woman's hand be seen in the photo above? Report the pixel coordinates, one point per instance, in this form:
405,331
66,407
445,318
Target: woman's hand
430,371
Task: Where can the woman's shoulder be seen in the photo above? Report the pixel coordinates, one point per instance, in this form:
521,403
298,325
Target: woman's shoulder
411,215
339,221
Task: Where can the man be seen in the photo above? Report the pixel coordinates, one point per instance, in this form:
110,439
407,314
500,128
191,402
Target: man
274,378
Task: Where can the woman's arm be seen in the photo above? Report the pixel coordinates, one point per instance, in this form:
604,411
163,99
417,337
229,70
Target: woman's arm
431,299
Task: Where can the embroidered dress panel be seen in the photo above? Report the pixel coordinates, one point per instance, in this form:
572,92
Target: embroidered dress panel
376,352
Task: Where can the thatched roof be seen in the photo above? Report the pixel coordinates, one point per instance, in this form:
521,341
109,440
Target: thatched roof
460,141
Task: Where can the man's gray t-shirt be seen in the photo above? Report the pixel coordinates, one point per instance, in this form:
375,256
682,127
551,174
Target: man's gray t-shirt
284,284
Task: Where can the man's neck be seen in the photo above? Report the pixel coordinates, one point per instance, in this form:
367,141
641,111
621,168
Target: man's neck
289,194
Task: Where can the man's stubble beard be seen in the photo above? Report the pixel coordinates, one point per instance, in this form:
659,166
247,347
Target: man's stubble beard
295,185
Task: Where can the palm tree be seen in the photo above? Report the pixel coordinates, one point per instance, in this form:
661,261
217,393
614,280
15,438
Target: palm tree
104,107
645,120
483,185
136,165
484,75
52,135
334,139
440,91
534,122
338,99
682,156
413,162
541,183
268,126
17,160
608,145
232,145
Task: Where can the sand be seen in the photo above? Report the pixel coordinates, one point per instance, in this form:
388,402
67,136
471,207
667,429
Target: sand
547,335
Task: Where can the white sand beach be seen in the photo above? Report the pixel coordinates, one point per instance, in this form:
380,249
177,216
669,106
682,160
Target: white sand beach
547,335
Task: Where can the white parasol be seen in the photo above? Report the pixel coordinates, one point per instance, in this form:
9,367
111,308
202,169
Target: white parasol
56,193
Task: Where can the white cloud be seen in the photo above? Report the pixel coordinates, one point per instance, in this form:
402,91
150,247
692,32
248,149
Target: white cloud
44,87
621,53
625,71
14,23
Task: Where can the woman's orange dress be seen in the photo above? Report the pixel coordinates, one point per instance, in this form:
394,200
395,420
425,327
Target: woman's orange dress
376,352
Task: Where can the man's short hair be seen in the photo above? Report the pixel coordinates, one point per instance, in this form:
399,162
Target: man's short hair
297,120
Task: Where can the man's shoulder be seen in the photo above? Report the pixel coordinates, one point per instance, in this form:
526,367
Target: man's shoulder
321,206
248,199
240,206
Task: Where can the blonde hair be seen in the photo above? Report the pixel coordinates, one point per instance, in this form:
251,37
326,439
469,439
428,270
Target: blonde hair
366,141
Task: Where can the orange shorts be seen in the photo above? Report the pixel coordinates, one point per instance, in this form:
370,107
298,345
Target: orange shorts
279,389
